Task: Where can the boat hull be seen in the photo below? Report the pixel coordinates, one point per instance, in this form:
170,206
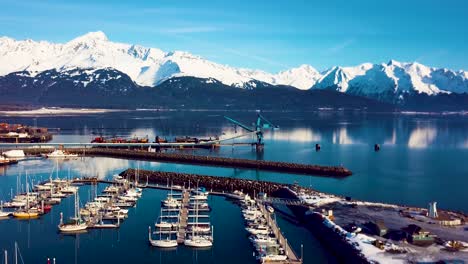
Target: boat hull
25,215
163,243
72,228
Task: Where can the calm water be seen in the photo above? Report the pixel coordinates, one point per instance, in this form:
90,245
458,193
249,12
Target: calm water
422,158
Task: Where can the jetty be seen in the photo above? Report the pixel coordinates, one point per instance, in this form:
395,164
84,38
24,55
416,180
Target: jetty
143,154
183,217
215,184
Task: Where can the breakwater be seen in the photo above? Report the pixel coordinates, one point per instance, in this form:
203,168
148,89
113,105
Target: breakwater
314,222
286,167
212,183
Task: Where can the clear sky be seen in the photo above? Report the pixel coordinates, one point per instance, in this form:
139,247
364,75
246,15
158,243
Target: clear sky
270,35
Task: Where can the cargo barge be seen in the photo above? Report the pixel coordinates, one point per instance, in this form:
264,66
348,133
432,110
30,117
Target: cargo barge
193,141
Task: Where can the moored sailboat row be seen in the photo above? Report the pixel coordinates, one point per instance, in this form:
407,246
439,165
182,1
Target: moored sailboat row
173,225
168,223
266,244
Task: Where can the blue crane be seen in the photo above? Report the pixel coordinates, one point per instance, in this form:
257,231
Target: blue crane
257,128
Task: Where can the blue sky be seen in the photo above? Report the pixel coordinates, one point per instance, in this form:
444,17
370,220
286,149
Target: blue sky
269,35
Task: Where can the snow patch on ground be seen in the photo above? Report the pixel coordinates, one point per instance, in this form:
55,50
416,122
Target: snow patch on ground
56,111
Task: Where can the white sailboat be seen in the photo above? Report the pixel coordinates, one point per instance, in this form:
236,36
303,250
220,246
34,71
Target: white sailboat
196,240
27,212
170,201
2,213
162,243
76,224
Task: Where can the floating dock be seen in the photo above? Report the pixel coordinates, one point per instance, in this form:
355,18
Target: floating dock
183,217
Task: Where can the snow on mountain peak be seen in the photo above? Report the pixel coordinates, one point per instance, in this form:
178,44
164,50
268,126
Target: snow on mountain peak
151,66
91,37
302,77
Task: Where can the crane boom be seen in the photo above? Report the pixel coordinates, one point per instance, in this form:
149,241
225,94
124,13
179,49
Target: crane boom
257,128
239,124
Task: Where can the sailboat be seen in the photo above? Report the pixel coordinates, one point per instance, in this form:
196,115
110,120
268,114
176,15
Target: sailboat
76,224
170,201
15,256
197,240
27,212
2,213
162,223
162,243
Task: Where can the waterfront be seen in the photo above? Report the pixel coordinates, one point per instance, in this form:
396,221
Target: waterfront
411,169
421,157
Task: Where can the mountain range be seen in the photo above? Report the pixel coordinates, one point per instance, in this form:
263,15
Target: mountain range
113,69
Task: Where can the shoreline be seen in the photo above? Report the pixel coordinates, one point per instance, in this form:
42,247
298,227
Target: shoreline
47,111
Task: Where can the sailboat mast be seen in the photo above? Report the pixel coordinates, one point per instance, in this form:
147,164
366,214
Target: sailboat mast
27,191
77,204
16,252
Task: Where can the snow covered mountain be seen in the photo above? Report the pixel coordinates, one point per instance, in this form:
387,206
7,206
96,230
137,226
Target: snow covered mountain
391,82
394,81
146,66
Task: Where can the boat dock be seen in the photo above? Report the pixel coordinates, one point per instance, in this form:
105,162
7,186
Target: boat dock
283,241
183,217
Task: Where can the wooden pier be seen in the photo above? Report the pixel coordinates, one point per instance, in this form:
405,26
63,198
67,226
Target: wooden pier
183,217
283,241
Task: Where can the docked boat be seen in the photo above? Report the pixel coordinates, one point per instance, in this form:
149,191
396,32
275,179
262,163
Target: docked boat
60,154
76,224
111,189
198,242
263,240
119,179
270,209
124,204
162,242
200,228
128,198
272,258
16,154
69,189
134,193
3,214
260,229
26,214
171,202
236,195
44,187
